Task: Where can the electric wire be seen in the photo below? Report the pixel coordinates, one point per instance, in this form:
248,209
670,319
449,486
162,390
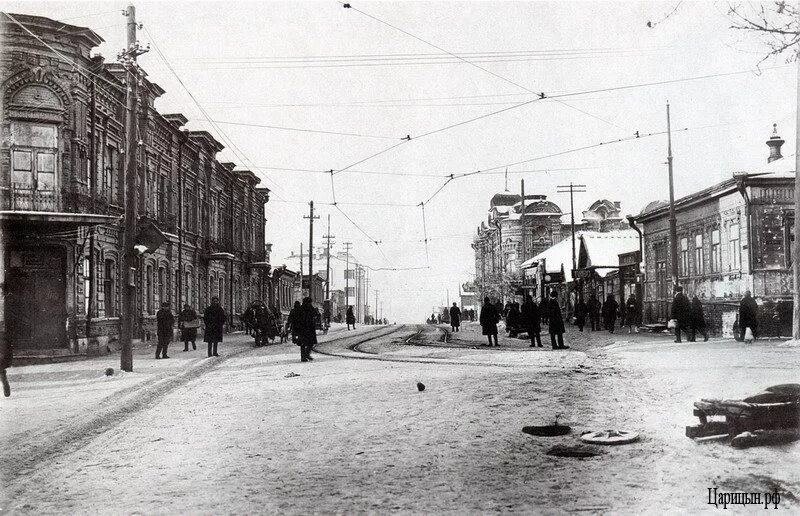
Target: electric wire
282,128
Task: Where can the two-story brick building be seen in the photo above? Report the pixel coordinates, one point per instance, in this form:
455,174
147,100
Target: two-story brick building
733,236
61,200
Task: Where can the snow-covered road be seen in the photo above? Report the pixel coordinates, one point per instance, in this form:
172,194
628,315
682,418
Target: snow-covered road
260,432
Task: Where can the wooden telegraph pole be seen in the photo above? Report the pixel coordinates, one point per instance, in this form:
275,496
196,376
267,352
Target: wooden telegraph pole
796,244
347,275
129,193
328,239
310,218
673,229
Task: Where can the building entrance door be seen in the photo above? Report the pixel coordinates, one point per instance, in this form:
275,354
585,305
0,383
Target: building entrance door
36,299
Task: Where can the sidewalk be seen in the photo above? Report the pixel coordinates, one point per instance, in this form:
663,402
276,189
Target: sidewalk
46,397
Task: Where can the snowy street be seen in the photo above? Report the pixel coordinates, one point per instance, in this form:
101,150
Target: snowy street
351,432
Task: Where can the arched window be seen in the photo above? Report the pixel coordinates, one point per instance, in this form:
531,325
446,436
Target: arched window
148,289
109,289
162,285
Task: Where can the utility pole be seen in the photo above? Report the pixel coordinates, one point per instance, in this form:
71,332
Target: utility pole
571,188
130,193
376,307
90,309
522,223
301,271
328,238
310,218
366,294
673,231
796,244
347,275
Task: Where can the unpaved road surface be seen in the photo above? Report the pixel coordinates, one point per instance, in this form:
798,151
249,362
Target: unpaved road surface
261,432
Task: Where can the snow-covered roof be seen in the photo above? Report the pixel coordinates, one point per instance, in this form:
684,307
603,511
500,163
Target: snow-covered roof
603,249
555,257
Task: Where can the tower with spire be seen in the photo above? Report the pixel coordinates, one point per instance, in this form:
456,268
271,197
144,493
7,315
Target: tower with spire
774,144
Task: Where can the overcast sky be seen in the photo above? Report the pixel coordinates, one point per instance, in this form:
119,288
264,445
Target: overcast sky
271,64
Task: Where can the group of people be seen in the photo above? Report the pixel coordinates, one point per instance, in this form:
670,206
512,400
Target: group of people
528,317
264,323
214,319
629,314
689,317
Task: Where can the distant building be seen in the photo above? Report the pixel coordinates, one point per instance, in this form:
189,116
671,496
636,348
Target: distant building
733,236
508,237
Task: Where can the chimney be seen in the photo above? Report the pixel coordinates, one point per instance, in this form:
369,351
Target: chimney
774,144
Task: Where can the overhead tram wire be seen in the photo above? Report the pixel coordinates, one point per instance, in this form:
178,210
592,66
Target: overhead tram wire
509,81
282,128
406,174
233,147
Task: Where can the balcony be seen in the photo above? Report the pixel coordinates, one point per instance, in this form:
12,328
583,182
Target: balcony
23,197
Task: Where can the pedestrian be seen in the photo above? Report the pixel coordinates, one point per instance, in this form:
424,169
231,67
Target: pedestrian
556,324
682,313
748,315
580,313
214,320
350,318
277,321
455,318
610,310
698,320
593,306
164,323
188,324
632,314
307,329
513,318
531,320
489,318
292,325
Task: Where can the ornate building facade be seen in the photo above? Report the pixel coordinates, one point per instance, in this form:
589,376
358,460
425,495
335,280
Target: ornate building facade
62,197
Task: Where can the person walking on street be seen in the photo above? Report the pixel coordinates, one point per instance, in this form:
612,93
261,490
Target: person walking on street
594,312
632,314
698,320
681,312
350,319
748,315
164,323
188,324
214,320
610,310
307,329
292,324
580,313
556,326
531,320
455,318
489,318
513,320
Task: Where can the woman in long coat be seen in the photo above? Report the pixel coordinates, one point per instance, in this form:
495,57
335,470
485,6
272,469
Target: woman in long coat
214,320
632,314
531,320
698,320
350,318
489,318
556,322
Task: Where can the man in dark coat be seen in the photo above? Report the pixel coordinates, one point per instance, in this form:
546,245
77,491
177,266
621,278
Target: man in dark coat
531,320
698,320
306,329
188,324
489,318
455,318
632,317
610,311
350,318
748,315
682,313
214,320
593,306
556,325
164,322
513,320
580,313
292,324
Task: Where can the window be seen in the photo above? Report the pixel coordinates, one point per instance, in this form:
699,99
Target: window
34,156
351,291
349,274
148,289
221,292
736,250
162,196
698,254
162,285
109,293
86,284
684,256
716,259
187,287
109,173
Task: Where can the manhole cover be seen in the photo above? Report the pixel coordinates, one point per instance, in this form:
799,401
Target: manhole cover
610,437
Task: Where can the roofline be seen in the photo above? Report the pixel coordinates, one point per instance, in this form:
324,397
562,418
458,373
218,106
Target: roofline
713,191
